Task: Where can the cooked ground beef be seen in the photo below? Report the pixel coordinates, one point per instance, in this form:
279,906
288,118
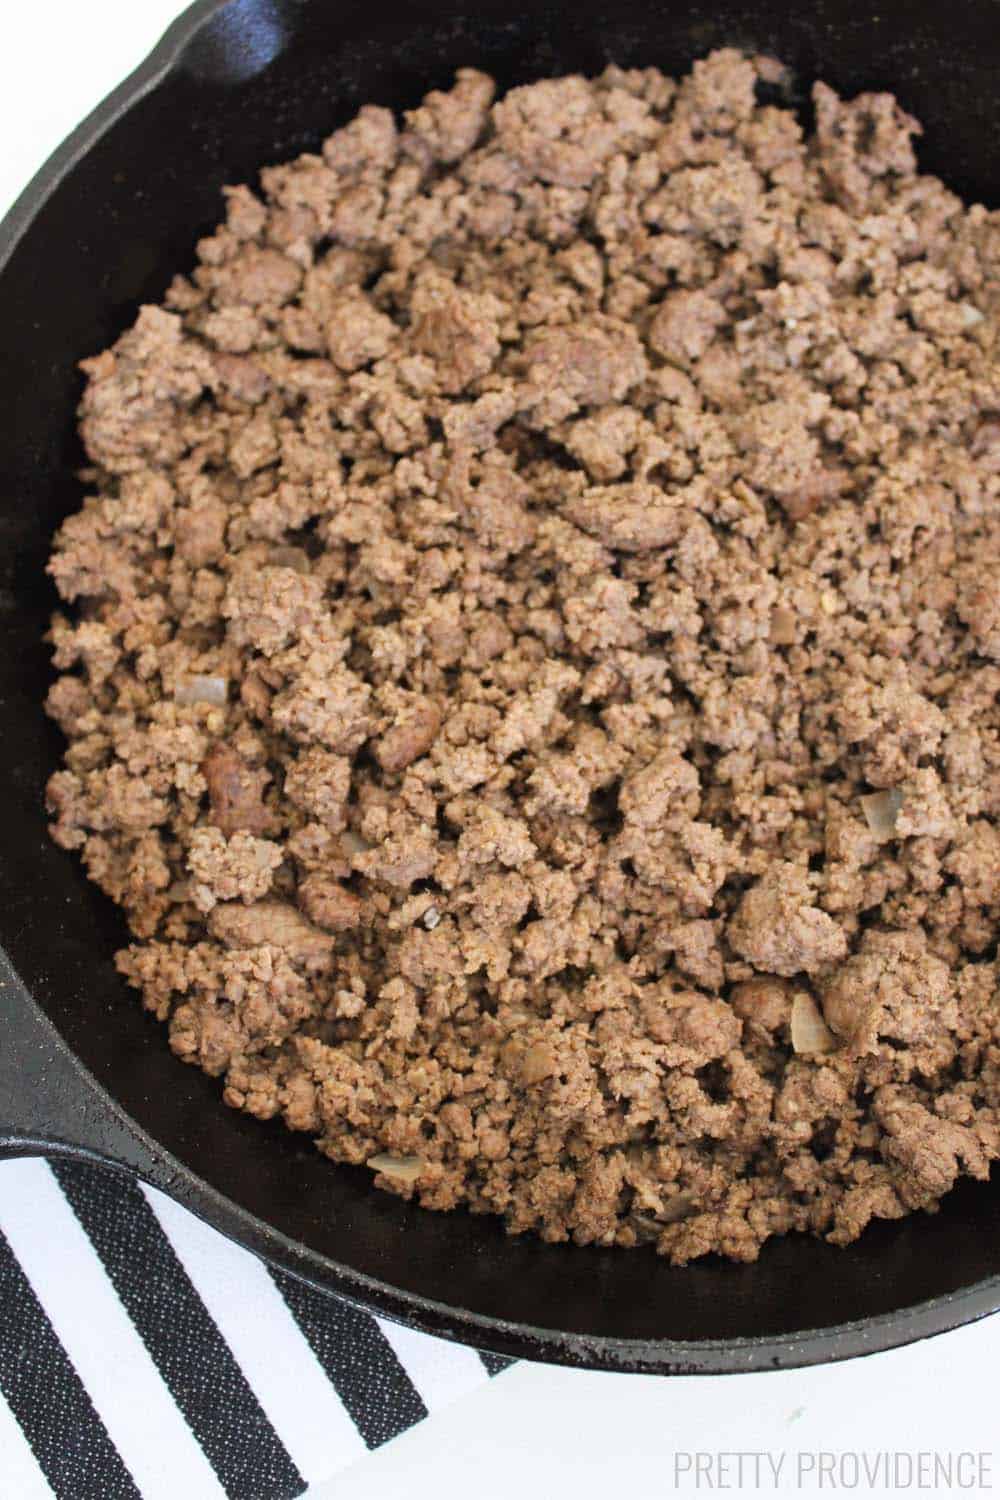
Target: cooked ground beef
534,668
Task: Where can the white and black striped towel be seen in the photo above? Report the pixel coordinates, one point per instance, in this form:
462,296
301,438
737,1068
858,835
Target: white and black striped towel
141,1354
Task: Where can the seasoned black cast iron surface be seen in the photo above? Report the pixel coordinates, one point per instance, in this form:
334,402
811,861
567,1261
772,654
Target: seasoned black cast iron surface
233,86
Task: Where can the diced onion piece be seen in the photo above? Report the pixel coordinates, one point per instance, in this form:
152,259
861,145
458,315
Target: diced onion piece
881,810
651,1222
676,1208
986,437
783,627
970,315
810,1033
353,843
213,690
403,1168
290,557
431,918
537,1064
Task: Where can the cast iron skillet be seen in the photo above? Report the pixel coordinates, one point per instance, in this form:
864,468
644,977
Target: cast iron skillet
235,84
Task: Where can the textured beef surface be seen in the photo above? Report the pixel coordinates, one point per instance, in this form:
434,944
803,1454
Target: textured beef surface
532,679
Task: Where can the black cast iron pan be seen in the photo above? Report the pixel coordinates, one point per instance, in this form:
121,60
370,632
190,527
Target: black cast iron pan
235,84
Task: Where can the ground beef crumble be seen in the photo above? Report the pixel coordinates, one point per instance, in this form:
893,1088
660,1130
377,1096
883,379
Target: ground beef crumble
533,669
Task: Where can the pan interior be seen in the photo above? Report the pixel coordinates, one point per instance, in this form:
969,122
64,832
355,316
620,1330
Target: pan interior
260,81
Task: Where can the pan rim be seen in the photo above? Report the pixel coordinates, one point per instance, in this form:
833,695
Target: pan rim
807,1347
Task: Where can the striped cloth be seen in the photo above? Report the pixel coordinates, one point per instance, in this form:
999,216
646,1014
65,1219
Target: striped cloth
142,1354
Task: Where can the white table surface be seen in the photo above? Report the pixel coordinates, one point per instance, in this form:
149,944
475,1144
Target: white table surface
535,1430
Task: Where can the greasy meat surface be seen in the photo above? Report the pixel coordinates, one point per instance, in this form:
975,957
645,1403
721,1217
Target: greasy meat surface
533,661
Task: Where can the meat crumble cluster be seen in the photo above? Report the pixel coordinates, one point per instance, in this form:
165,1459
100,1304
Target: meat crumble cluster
533,675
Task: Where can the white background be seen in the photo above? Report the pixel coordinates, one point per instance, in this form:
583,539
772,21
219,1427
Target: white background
536,1431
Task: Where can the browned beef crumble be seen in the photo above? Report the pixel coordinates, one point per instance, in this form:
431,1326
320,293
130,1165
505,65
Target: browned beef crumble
533,684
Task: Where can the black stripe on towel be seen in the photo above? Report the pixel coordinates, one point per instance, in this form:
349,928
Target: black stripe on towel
494,1362
47,1398
195,1361
358,1361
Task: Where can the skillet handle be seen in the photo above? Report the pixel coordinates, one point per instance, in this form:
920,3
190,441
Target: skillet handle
49,1104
